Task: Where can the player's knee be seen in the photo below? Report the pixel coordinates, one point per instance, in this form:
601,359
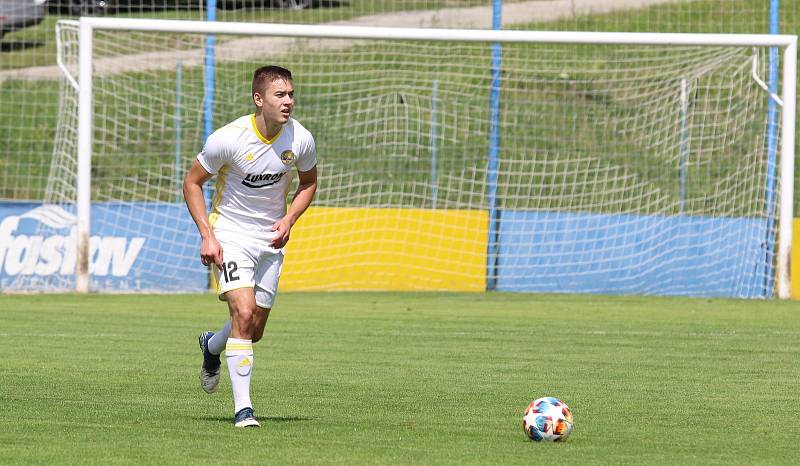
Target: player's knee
245,315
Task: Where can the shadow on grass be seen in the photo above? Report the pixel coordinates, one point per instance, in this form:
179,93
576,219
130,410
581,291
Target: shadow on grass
262,419
17,45
329,4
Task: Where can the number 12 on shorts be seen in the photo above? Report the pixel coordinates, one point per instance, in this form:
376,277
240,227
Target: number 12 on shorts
229,271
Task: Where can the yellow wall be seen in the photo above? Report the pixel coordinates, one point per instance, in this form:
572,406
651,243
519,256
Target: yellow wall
387,249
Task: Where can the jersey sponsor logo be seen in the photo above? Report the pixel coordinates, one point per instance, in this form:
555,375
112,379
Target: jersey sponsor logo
249,157
263,180
39,254
288,157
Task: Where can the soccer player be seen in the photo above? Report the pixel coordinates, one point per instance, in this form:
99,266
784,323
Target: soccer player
249,225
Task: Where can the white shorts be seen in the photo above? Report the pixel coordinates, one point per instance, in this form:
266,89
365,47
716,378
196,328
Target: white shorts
249,263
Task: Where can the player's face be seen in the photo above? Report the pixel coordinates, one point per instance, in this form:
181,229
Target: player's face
277,102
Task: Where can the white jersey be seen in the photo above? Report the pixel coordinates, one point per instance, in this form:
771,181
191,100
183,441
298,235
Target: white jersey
254,174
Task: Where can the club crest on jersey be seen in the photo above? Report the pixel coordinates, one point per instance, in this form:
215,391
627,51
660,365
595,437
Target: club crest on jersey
288,157
263,180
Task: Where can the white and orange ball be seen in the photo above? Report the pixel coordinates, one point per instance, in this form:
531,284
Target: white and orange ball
547,419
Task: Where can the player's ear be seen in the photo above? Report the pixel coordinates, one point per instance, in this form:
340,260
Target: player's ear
258,100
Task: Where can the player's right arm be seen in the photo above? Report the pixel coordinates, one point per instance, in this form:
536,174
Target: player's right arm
210,249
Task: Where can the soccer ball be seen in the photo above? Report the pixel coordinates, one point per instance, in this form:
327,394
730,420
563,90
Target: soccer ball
548,419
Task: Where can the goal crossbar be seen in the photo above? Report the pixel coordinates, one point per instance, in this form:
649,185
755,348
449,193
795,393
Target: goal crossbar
87,25
460,35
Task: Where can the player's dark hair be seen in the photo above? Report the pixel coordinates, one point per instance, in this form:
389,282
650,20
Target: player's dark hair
266,74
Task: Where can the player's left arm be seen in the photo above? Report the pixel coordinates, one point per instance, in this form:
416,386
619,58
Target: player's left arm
300,202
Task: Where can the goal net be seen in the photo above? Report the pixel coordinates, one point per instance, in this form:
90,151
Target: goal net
448,161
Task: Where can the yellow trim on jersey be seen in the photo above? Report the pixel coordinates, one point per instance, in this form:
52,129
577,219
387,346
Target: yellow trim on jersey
214,281
258,133
219,187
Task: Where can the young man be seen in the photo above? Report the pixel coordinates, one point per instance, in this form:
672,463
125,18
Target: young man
253,158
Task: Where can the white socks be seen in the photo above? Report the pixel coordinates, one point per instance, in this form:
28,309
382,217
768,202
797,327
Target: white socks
217,343
239,355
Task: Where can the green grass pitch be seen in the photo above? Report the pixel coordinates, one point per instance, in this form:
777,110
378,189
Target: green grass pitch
393,378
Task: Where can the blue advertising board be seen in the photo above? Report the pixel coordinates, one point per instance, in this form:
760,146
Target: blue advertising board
632,254
141,246
135,246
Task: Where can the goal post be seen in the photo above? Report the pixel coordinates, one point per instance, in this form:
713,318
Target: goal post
551,186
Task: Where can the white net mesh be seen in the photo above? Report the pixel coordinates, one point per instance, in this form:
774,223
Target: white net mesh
27,55
620,169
